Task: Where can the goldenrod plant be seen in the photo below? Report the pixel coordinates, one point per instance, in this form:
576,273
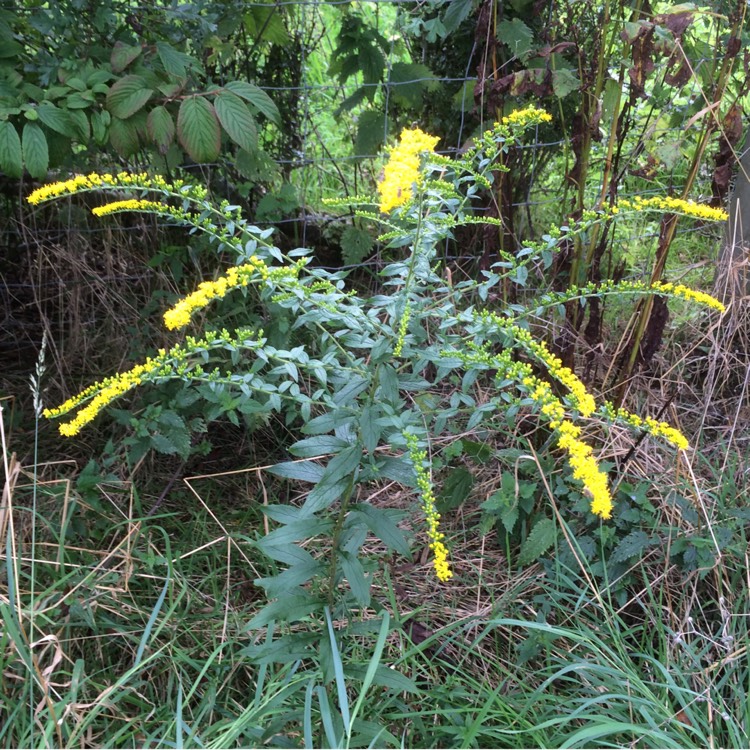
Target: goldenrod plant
372,383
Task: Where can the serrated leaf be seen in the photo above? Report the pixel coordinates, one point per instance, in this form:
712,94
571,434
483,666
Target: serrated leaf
541,538
295,575
410,81
35,150
122,55
291,607
457,12
372,130
564,82
257,98
630,546
175,63
99,126
355,574
198,129
369,427
160,128
11,159
56,119
379,522
303,471
356,245
517,36
456,489
320,445
509,516
237,120
123,135
126,96
340,473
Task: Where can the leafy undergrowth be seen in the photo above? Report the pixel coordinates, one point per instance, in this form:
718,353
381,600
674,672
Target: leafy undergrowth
127,630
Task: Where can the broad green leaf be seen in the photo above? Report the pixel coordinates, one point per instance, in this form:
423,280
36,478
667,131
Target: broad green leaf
176,63
11,161
541,538
35,151
236,119
122,55
198,129
456,489
372,130
409,81
631,545
380,523
81,124
369,427
305,528
517,36
123,135
356,245
564,82
296,575
257,97
126,96
338,476
56,119
160,127
457,12
289,608
320,445
304,471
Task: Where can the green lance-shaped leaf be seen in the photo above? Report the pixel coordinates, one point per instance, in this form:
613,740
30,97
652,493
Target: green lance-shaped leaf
160,127
35,150
237,120
257,97
10,151
198,129
126,96
541,538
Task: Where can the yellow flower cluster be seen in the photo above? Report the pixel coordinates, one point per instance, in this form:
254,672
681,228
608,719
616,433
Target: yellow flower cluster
580,397
527,116
128,205
105,392
585,468
439,550
81,183
403,326
237,276
655,428
580,455
402,170
673,205
680,290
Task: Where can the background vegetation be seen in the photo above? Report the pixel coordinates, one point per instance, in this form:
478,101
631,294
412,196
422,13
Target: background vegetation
130,553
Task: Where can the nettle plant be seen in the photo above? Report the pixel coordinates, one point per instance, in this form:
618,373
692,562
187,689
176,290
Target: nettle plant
372,383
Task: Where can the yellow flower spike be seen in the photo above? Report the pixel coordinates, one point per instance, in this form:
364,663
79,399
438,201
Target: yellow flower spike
585,469
402,170
675,205
439,550
127,205
237,276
